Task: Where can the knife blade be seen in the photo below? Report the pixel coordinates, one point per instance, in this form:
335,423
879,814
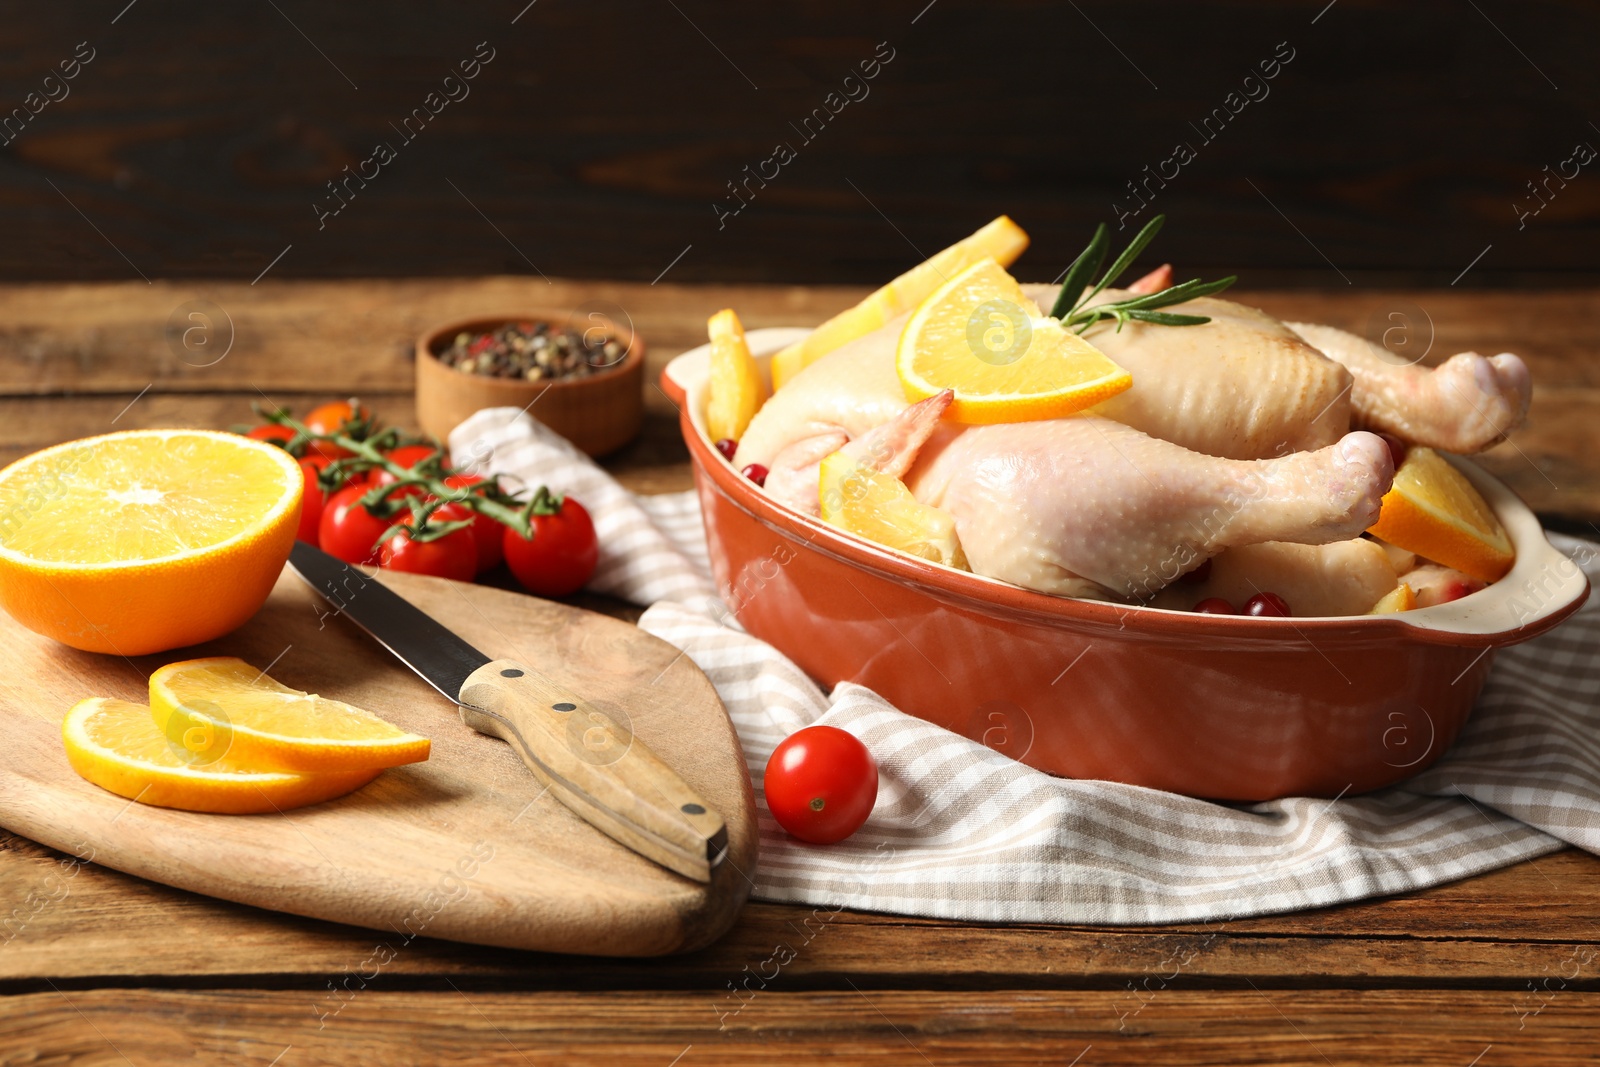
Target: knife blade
588,761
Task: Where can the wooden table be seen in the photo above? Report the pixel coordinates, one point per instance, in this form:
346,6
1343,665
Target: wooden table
98,967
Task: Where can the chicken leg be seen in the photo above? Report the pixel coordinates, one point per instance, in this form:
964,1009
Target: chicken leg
1465,404
1046,505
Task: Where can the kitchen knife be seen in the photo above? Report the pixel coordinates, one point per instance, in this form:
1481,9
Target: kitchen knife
589,762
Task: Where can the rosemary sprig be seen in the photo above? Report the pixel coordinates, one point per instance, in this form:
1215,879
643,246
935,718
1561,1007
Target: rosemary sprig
1071,304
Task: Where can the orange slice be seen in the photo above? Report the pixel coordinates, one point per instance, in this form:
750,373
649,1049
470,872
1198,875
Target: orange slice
1001,240
1400,599
262,724
145,540
1006,361
736,387
1434,511
878,507
117,746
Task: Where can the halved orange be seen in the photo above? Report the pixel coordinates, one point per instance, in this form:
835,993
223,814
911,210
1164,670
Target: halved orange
1004,358
261,723
1434,511
736,388
116,745
1001,240
145,540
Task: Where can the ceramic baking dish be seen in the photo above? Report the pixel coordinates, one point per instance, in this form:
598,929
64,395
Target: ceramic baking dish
1224,707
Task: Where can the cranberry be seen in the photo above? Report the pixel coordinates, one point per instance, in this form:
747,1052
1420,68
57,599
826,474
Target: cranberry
1214,605
1200,573
1269,605
727,446
756,473
1397,448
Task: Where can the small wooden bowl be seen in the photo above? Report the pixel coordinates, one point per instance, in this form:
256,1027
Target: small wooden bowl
599,413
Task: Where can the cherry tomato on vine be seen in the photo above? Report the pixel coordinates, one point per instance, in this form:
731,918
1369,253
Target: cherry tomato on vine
321,463
407,456
311,503
486,531
454,555
349,531
329,419
560,557
272,432
821,784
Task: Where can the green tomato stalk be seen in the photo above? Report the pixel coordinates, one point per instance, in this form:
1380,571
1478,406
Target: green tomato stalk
386,501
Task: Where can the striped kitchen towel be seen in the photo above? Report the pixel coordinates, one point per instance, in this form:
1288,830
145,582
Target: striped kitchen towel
962,832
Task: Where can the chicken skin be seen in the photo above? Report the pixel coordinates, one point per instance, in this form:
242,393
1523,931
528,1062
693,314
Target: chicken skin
1046,504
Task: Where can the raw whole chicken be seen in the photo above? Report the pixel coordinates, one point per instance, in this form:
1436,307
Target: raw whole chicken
1236,433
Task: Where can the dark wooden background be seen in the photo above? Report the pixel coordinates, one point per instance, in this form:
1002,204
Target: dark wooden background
1392,149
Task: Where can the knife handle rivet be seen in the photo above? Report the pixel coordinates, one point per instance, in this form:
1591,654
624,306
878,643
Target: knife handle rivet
511,672
692,809
564,706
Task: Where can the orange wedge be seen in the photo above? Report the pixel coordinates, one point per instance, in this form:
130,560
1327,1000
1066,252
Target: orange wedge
145,540
1001,240
117,746
1006,361
265,725
878,507
736,388
1434,511
1400,599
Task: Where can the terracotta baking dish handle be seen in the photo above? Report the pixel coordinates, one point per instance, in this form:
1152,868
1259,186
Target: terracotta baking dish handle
1542,588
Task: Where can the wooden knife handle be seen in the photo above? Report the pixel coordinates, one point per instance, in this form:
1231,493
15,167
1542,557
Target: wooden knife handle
596,767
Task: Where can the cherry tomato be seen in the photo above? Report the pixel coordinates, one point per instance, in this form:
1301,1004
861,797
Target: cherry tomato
349,531
560,557
331,418
486,531
1267,604
407,456
273,433
1214,605
311,503
321,463
452,556
821,784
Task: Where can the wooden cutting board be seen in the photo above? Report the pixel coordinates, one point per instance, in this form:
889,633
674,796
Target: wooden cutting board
465,846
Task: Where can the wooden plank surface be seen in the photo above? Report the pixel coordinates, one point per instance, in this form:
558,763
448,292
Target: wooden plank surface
74,357
460,1024
81,926
200,141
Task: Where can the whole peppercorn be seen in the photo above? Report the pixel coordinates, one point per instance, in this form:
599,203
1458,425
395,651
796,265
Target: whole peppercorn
535,351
